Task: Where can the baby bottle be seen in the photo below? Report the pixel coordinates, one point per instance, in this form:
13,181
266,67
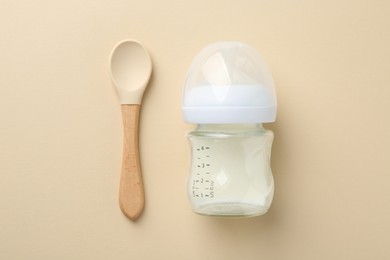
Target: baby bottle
229,92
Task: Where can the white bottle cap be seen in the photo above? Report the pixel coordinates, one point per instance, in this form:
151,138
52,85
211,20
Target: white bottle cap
229,83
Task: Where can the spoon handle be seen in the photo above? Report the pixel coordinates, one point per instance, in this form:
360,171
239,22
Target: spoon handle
131,190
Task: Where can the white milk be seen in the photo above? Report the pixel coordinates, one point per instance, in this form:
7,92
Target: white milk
230,172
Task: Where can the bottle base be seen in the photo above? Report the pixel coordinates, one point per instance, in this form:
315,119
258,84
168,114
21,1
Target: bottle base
231,210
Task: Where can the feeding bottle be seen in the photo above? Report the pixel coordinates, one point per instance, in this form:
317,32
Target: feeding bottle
229,92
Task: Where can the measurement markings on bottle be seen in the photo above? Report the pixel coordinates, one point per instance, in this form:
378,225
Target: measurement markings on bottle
202,185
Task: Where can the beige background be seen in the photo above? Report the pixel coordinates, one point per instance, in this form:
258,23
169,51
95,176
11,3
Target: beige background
61,130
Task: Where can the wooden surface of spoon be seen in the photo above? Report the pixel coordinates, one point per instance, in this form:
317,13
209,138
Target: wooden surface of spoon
131,191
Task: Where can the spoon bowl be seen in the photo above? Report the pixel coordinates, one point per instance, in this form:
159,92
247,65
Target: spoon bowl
131,68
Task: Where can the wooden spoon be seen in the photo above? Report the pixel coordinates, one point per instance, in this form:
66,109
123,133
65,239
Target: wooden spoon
131,68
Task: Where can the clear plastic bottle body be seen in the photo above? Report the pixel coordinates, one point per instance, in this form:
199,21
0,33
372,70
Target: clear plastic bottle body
230,172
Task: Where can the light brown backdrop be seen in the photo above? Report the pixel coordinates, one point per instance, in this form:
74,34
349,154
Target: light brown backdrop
61,130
